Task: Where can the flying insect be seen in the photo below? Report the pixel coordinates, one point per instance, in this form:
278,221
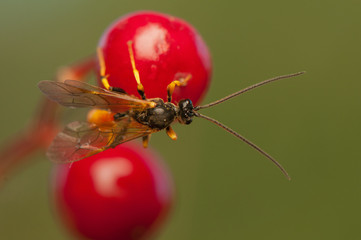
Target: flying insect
117,117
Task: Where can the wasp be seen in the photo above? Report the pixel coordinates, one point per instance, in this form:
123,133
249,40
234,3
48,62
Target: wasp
117,117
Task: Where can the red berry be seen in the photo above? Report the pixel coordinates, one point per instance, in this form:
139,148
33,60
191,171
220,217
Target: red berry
165,48
121,193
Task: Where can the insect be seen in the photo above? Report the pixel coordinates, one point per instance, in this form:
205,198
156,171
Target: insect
117,117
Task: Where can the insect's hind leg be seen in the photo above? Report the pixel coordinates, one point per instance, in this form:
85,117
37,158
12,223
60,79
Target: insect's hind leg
119,137
119,116
146,140
177,83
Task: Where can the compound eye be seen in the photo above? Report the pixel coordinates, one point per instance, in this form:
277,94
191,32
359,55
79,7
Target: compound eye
188,103
185,104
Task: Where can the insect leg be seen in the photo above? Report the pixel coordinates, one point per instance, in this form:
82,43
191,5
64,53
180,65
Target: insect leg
91,153
118,137
177,83
103,76
118,90
146,141
170,132
140,87
119,116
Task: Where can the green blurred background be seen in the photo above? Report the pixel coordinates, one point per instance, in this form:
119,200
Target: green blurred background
225,189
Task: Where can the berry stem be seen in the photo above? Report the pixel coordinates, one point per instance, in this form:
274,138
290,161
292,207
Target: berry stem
44,125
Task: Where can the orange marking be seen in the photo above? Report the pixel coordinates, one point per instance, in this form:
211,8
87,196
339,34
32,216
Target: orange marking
146,141
177,83
101,117
132,61
170,132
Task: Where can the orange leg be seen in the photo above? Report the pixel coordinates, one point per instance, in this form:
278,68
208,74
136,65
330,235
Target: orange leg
103,76
170,89
140,87
177,83
170,132
146,141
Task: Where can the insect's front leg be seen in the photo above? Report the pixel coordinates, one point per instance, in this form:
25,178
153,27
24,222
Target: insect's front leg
177,83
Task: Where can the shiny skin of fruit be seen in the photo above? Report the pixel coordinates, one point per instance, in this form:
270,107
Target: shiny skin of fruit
165,48
122,193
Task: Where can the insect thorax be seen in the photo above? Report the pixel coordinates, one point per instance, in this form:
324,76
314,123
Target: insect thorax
158,117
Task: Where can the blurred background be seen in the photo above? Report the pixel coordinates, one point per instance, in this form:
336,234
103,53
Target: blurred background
225,190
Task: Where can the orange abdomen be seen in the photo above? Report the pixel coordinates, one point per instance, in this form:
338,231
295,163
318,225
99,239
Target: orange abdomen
101,117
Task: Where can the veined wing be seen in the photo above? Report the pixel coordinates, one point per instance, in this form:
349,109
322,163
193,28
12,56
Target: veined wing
72,93
81,139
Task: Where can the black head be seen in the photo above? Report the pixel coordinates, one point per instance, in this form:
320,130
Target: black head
186,112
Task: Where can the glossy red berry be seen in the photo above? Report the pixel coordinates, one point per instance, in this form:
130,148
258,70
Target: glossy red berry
122,193
166,48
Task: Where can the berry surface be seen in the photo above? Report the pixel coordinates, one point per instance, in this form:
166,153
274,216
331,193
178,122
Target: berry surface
122,193
165,48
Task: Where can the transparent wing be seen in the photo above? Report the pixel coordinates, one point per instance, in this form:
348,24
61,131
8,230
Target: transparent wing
81,139
72,93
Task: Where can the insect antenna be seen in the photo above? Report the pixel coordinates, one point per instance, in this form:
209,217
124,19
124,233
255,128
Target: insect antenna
246,141
248,89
